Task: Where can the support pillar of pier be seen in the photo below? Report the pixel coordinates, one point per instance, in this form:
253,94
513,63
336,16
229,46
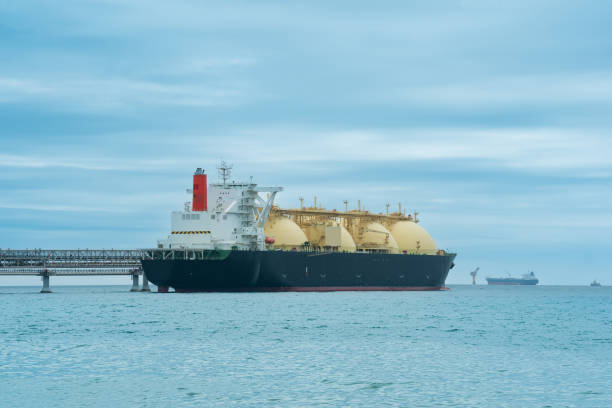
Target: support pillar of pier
162,289
45,280
135,287
145,283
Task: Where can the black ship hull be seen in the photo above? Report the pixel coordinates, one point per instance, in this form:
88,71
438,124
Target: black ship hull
252,271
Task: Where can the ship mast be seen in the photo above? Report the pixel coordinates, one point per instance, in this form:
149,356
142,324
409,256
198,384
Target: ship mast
225,171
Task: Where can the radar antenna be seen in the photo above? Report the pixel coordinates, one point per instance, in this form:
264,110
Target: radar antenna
473,275
225,171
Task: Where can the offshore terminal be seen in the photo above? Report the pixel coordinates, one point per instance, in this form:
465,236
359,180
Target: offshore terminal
230,238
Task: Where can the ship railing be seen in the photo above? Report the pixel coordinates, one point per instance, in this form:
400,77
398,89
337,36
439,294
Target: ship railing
182,254
203,254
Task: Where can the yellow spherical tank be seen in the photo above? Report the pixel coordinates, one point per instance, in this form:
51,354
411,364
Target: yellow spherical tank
347,244
374,236
286,233
413,238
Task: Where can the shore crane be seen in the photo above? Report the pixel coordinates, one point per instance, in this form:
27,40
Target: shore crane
473,275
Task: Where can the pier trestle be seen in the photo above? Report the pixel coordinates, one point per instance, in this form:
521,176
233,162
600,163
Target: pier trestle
77,262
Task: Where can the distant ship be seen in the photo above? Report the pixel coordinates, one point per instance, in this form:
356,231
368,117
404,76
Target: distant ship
595,283
526,279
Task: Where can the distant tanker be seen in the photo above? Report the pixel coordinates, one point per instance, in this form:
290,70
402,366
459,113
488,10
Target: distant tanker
526,279
231,239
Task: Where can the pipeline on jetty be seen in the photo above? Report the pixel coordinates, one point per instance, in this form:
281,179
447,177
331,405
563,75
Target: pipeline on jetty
74,262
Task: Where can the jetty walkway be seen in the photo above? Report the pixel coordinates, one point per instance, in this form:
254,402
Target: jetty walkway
74,262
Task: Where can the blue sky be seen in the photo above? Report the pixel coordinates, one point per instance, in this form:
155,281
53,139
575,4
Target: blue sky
493,121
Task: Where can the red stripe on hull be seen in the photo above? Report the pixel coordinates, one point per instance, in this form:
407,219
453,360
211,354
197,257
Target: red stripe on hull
322,289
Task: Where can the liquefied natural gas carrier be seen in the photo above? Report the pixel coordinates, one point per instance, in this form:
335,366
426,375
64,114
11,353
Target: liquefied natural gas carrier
229,238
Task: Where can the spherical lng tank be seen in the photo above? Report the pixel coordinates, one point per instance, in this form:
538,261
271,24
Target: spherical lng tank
374,236
347,242
286,233
412,238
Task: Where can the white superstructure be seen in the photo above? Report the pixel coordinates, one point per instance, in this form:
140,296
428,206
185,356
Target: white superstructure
223,216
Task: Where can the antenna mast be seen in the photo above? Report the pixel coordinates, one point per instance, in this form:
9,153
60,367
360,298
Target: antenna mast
225,171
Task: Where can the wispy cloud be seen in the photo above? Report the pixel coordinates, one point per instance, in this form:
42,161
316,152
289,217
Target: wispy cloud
115,94
90,161
15,88
203,65
56,208
524,91
528,148
525,149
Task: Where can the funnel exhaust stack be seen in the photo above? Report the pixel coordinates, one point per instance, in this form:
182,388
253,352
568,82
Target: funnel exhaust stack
200,199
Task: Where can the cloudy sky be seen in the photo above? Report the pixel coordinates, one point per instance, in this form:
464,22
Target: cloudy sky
493,121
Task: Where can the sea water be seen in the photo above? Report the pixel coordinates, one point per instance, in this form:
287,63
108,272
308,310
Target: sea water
476,346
